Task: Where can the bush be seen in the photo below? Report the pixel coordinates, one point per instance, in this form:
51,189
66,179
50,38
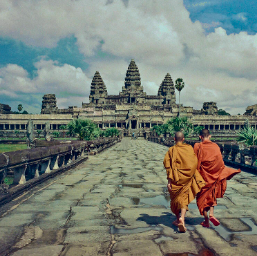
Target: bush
111,132
248,135
83,128
56,134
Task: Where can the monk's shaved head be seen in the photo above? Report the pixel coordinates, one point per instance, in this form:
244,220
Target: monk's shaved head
179,136
204,133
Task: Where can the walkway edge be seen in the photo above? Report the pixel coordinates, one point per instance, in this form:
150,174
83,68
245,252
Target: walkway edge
19,189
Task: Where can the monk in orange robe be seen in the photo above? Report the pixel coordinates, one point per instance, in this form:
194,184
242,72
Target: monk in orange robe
215,174
184,180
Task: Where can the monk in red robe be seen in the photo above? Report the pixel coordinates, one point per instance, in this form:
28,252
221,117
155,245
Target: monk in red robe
215,174
184,180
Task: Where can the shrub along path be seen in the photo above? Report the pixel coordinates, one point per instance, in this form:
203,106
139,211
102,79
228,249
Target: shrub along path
116,203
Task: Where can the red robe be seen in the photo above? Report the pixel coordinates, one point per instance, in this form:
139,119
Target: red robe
214,172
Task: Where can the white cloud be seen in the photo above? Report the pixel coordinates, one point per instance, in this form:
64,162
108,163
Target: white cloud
70,84
159,35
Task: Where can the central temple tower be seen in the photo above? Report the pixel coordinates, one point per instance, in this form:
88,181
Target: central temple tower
133,92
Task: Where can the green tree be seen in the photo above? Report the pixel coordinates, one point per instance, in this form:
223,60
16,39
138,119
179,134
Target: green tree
63,128
17,133
111,132
180,124
20,107
83,128
248,135
179,85
158,129
39,132
197,130
222,112
56,134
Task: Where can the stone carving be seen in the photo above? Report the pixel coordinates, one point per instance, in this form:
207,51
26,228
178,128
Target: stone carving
30,133
47,132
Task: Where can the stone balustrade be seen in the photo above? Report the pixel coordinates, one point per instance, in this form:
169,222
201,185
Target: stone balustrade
28,164
233,154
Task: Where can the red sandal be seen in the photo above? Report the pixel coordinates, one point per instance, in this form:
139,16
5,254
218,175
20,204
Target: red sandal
214,221
205,225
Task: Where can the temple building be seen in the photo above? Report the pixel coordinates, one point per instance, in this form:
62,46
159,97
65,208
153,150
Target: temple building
132,110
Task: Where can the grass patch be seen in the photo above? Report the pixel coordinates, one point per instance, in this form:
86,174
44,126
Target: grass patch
12,147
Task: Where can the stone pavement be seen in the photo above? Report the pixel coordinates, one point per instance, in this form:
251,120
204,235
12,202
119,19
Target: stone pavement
116,203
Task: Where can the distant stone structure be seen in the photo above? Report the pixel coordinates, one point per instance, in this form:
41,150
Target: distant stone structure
251,110
49,104
131,111
209,108
5,109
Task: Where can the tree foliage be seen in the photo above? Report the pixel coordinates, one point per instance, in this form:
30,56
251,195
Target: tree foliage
111,132
175,125
179,85
20,107
222,112
86,129
247,135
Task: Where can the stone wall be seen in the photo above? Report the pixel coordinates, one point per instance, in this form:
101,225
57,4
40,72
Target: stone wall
31,165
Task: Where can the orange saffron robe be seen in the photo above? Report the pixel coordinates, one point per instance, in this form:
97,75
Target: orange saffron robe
214,172
181,165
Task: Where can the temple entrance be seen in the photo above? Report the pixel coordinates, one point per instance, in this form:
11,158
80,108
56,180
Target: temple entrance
133,124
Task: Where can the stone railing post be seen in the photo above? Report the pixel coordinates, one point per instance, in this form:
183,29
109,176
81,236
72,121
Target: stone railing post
253,153
227,150
234,152
19,174
45,166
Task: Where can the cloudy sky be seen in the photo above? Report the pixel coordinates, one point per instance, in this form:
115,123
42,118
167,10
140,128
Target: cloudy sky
55,46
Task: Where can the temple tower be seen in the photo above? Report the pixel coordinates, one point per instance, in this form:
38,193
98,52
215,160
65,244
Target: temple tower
167,90
132,78
98,90
48,104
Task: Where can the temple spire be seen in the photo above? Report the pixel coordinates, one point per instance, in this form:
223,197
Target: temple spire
98,90
167,90
132,76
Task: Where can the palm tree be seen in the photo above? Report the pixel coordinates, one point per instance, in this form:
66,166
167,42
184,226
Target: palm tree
20,107
179,85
